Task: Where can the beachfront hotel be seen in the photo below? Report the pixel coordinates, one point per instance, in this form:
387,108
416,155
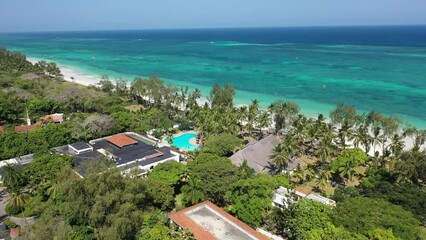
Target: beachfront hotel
128,151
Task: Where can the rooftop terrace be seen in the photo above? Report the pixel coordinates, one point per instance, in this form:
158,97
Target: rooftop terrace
207,221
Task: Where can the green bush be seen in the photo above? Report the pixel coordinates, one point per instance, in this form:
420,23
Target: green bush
158,133
28,212
12,210
10,224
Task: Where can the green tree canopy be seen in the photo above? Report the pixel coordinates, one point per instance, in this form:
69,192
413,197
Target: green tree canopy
331,232
251,198
169,172
362,215
222,96
306,215
222,145
344,115
217,174
38,107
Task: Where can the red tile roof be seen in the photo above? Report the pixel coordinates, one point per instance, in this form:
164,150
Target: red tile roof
158,154
200,233
14,233
25,128
121,140
56,118
1,129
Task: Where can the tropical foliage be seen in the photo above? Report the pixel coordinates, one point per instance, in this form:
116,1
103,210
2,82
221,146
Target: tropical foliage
376,179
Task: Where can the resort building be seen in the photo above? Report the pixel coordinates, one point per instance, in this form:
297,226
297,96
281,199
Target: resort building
52,118
284,197
128,151
257,156
207,221
25,128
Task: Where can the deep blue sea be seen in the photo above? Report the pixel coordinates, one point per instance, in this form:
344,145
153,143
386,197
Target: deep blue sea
372,68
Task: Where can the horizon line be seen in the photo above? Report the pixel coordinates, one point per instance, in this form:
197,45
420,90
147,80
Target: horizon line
216,28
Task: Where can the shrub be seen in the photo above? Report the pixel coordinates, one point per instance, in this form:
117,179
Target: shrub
158,133
12,210
10,224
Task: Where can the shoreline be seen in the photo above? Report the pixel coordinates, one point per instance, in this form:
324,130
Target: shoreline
87,80
242,98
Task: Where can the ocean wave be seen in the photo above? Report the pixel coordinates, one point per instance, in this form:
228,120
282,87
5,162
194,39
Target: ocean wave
238,44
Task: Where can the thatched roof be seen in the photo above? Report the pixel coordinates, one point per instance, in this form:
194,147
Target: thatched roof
257,154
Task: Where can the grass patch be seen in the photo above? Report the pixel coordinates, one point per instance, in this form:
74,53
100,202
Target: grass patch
178,202
134,108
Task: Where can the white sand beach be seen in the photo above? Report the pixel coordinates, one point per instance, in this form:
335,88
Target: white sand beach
75,75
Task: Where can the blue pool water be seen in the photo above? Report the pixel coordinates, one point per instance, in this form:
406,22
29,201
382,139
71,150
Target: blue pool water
182,142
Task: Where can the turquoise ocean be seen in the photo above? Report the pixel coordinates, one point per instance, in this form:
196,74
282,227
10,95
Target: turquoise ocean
372,68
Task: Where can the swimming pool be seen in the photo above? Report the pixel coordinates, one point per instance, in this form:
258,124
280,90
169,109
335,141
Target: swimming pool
183,141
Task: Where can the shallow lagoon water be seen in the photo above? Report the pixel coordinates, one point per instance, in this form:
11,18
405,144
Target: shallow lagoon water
372,68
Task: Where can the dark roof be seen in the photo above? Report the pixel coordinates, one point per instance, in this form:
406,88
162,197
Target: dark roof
121,140
165,154
132,152
80,145
84,160
124,155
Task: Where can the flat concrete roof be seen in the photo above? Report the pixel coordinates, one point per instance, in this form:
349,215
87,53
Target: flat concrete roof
207,221
80,146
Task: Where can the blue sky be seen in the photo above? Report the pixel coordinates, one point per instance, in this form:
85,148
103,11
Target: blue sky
50,15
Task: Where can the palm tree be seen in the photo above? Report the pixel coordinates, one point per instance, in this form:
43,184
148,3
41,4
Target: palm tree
193,192
53,191
11,178
412,168
246,170
18,199
328,131
419,140
185,176
282,112
347,171
325,149
264,120
299,175
323,178
397,145
358,135
345,132
376,139
253,111
280,156
383,139
196,94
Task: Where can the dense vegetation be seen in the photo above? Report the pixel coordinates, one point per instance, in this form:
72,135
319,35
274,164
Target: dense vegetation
373,193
